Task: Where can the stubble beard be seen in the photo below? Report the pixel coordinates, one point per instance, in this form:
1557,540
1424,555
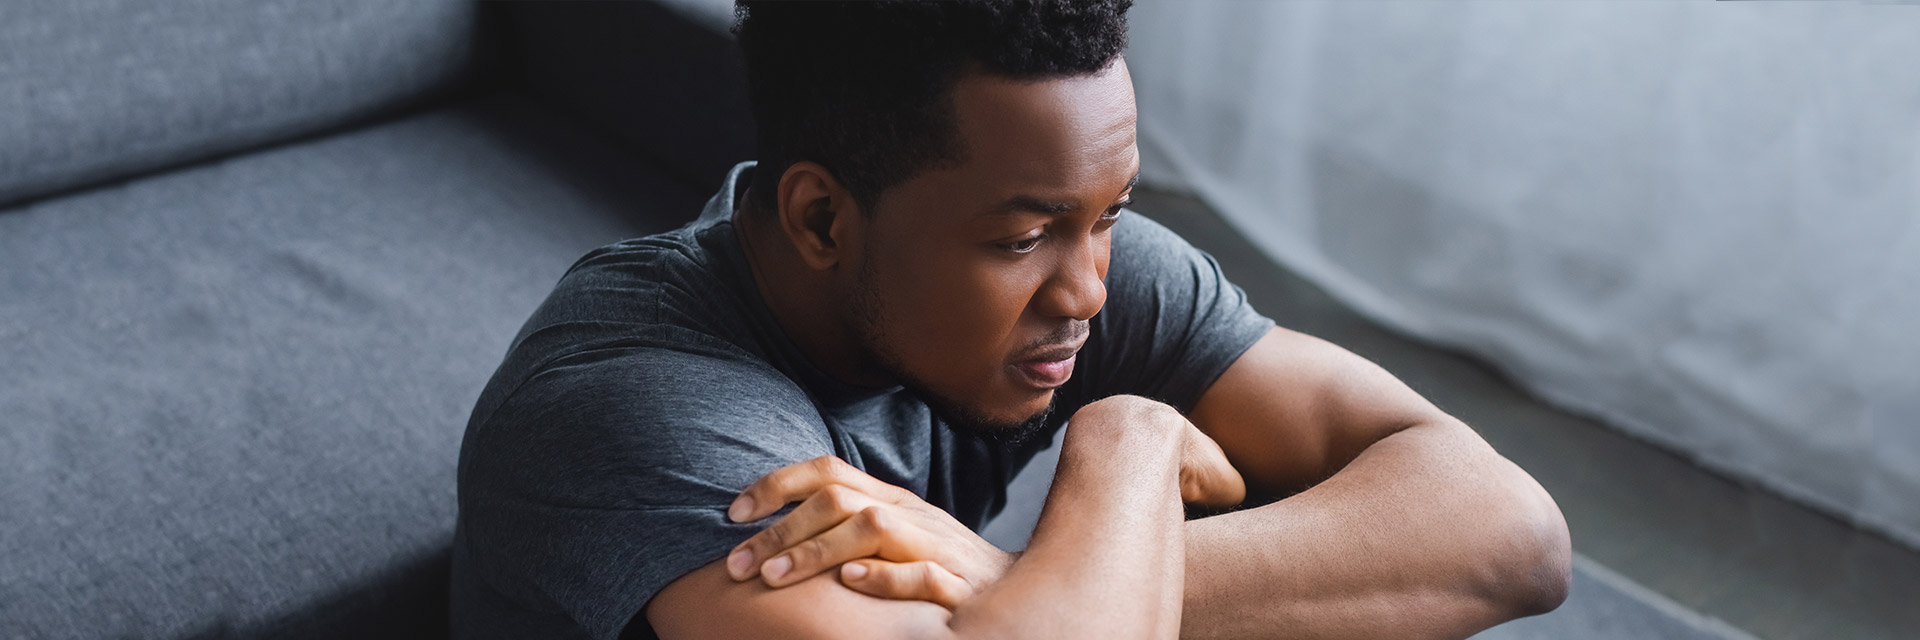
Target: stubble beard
870,336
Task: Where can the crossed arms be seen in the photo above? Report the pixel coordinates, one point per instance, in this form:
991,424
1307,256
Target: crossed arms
1409,525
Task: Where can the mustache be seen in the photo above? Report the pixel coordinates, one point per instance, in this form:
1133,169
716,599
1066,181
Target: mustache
1067,335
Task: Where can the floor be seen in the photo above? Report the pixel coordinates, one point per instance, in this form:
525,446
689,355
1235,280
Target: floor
1665,549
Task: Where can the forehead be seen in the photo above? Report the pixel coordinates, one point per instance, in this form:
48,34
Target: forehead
1052,138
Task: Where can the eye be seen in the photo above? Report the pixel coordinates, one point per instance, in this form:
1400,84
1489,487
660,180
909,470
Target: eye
1112,215
1024,245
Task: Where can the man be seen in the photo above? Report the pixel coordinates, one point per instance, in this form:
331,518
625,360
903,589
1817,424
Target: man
787,418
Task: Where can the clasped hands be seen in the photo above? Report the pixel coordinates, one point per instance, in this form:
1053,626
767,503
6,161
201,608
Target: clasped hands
887,542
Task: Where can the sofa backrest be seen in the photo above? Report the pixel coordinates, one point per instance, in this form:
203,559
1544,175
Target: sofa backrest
96,90
663,78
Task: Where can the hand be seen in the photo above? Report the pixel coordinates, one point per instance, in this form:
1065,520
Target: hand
886,541
1206,478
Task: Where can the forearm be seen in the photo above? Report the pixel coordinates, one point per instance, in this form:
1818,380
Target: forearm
1106,558
1427,534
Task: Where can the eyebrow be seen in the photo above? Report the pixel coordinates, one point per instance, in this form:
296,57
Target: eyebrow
1030,204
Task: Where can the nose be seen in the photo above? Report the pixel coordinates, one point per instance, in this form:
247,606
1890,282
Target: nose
1076,289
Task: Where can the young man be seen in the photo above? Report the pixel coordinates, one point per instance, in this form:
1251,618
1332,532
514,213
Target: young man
787,418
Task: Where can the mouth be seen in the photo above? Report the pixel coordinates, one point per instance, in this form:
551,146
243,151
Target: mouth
1048,368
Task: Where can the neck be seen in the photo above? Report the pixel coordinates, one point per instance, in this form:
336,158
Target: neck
804,301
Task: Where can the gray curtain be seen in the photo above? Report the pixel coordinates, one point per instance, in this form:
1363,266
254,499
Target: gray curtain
1698,221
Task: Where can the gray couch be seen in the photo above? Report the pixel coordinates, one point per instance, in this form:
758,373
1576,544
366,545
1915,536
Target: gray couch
257,259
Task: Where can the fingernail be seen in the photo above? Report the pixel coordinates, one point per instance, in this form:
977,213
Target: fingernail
776,567
853,571
740,562
742,507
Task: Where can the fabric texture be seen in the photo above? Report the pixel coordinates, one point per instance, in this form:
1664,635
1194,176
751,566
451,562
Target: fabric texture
95,90
232,395
1696,221
654,384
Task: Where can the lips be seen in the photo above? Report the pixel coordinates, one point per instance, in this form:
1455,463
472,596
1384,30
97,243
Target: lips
1050,367
1046,374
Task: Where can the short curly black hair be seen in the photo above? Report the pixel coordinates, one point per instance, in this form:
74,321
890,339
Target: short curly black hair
862,88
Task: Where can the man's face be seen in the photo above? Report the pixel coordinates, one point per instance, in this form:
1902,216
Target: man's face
976,281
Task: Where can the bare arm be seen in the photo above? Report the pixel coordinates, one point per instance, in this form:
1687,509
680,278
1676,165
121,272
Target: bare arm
1421,530
1105,561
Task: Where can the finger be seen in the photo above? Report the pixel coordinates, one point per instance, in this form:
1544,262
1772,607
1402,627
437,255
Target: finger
866,534
801,479
820,512
906,581
1206,477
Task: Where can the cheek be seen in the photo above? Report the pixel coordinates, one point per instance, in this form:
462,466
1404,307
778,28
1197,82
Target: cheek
953,316
1103,254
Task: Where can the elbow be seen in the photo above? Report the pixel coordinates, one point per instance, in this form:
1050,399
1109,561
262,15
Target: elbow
1550,578
1525,554
1542,574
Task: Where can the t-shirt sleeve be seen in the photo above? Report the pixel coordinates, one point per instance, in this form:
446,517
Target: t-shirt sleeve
607,475
1172,322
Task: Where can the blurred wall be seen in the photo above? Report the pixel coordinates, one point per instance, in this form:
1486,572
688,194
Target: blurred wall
1699,221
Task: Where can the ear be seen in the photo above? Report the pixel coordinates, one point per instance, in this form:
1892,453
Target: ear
817,214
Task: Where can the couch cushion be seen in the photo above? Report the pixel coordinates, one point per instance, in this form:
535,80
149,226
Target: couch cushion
231,397
99,89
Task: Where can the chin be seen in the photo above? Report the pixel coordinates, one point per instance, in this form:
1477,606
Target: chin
1003,411
1013,405
1039,405
1010,420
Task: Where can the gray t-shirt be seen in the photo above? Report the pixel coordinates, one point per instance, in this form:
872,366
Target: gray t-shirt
654,384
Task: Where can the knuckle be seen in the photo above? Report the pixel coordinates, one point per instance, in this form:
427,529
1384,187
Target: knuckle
808,553
839,499
827,466
910,581
883,579
902,495
910,578
885,573
876,520
774,537
930,582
